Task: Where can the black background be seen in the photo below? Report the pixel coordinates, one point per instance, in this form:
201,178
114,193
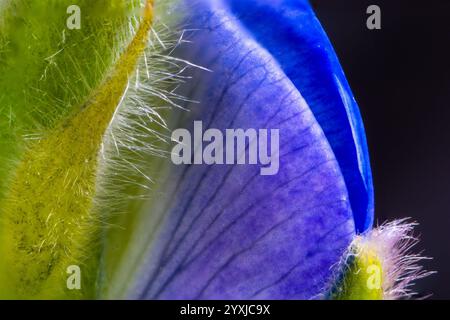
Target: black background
400,76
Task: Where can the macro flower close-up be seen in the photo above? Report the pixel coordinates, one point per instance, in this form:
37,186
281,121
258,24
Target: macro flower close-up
187,150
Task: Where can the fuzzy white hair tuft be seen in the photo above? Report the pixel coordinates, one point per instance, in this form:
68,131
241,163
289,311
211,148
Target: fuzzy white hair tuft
393,243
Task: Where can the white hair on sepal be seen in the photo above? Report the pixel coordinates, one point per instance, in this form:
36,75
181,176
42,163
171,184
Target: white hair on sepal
396,240
139,135
393,242
389,246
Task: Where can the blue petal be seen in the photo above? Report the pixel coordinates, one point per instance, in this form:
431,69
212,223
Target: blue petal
225,231
290,31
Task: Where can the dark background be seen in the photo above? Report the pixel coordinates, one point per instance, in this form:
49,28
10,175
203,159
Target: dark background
400,76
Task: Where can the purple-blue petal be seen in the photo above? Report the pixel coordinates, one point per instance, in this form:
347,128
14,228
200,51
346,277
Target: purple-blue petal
226,231
290,31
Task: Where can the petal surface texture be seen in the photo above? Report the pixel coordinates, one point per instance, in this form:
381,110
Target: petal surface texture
290,31
226,231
